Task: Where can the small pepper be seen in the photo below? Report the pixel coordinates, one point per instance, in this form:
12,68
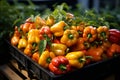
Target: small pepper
90,33
45,58
45,32
28,50
35,56
103,32
22,43
69,37
81,44
16,37
113,50
76,59
59,65
50,21
58,49
96,53
58,28
33,36
114,36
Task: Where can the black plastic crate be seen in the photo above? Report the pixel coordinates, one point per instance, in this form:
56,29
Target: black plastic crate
94,71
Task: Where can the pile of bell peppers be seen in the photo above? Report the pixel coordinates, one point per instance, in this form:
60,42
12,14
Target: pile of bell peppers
60,47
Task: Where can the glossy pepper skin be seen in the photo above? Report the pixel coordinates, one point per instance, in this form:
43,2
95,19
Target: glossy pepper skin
33,36
81,44
45,58
16,37
69,37
113,50
28,50
90,33
76,59
45,32
58,49
114,36
59,65
103,32
96,53
58,28
22,43
79,29
50,21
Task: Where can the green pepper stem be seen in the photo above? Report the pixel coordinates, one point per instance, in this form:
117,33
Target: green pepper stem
103,34
48,59
89,35
81,60
62,67
70,36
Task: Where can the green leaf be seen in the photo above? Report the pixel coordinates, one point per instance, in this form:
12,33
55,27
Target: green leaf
42,46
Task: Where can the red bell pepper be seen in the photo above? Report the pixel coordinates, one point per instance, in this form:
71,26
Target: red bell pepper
59,65
45,32
113,50
114,36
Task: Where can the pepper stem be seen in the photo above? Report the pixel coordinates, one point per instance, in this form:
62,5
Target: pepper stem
103,34
81,59
62,67
48,59
89,35
70,36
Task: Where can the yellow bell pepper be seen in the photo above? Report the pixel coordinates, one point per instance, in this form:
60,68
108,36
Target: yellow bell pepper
69,37
45,58
22,43
33,36
76,59
50,21
58,28
58,49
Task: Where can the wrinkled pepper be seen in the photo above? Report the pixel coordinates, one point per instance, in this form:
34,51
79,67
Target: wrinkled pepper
79,29
58,49
113,50
96,53
58,28
22,43
16,37
33,36
59,65
103,32
76,59
81,44
69,37
45,58
45,32
90,33
114,36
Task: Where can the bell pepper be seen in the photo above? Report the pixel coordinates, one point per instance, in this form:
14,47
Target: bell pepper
58,49
50,21
22,43
105,45
45,58
90,33
114,36
45,32
58,28
28,50
16,37
113,50
76,59
59,65
79,29
96,53
69,37
103,32
35,56
27,26
81,44
39,22
33,36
